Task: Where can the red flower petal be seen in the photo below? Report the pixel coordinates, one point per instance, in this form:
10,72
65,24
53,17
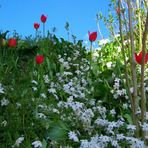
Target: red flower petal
43,18
146,58
92,36
12,42
39,59
138,58
36,25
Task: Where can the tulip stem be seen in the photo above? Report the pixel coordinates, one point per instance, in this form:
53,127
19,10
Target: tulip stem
36,33
43,30
90,46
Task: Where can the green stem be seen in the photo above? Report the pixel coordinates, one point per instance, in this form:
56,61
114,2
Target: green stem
43,30
143,96
139,23
99,29
125,62
133,67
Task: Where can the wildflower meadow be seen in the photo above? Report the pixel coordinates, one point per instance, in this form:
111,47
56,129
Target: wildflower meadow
57,93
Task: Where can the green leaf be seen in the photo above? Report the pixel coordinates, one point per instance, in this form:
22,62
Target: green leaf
129,118
57,131
44,143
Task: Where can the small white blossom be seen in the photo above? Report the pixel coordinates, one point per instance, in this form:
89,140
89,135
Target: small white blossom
113,112
73,136
145,127
109,64
4,102
43,95
52,90
131,127
34,88
4,123
103,42
46,79
19,141
37,144
41,115
131,89
125,106
34,82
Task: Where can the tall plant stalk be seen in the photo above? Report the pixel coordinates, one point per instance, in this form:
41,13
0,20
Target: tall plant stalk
133,68
139,25
143,96
43,30
98,25
125,62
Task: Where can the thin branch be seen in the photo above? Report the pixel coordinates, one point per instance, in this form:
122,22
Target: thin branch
125,62
143,96
133,67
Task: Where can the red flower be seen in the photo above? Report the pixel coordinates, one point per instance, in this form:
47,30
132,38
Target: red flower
39,59
36,25
138,58
118,10
92,36
12,42
43,18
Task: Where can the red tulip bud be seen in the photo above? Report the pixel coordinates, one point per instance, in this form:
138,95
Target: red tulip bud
12,42
92,36
43,18
138,58
36,25
39,59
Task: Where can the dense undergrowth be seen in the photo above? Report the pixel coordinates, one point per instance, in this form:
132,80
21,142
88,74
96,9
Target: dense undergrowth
75,98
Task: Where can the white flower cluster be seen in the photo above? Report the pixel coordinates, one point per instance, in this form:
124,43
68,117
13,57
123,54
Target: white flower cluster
117,91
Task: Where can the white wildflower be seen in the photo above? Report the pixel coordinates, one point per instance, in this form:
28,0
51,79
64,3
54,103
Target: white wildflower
34,82
37,144
131,89
18,105
131,127
73,136
103,42
46,79
52,90
114,143
4,123
145,127
4,102
43,95
112,112
125,106
41,115
19,141
119,48
109,64
34,88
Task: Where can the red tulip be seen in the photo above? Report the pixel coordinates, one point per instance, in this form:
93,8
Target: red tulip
36,25
12,42
43,18
92,36
138,58
118,10
39,59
